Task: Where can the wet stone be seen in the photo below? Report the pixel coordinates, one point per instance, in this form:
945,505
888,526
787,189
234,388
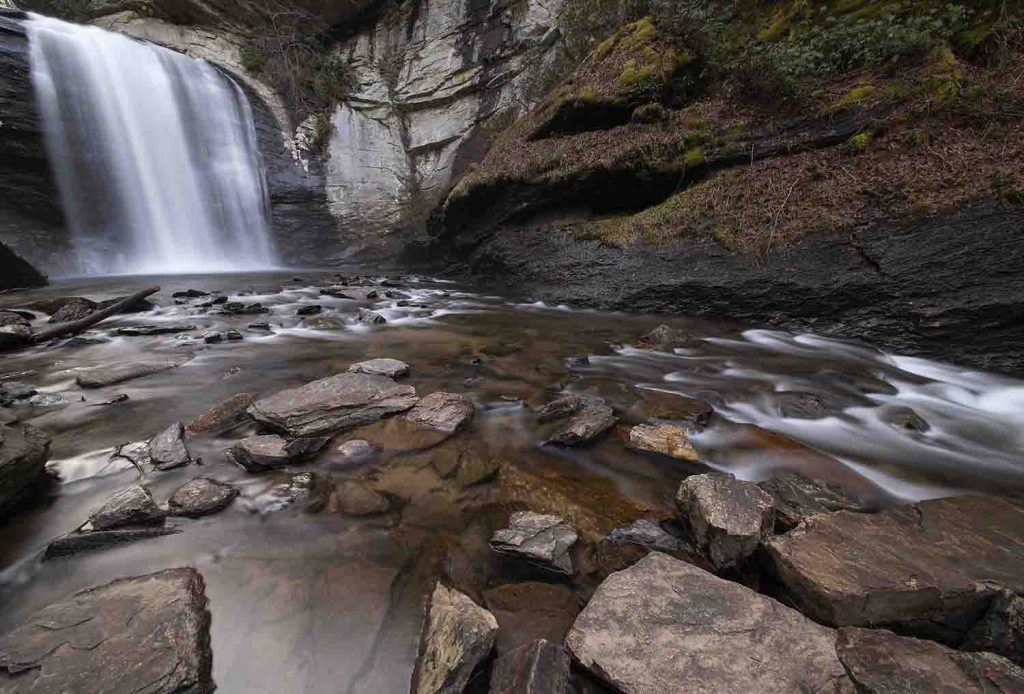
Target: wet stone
444,412
353,293
586,425
131,506
167,450
147,633
323,323
664,439
304,492
24,451
357,451
728,518
89,540
264,452
368,317
543,540
457,636
357,498
1001,629
392,368
541,667
310,310
11,392
109,374
73,309
189,294
797,497
154,329
200,497
223,416
560,408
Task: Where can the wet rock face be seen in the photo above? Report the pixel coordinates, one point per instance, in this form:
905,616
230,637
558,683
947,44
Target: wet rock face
798,497
539,539
722,637
24,451
256,453
16,272
148,633
131,506
457,636
728,518
594,419
200,497
443,412
167,450
930,569
880,662
333,404
540,667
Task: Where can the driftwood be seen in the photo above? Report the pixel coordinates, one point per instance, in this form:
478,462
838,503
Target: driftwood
77,326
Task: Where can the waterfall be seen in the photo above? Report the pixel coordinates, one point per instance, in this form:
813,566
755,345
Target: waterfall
154,153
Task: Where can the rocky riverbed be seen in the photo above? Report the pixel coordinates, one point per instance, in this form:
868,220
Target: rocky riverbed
367,483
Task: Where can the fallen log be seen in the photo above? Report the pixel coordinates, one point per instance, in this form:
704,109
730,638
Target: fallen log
15,341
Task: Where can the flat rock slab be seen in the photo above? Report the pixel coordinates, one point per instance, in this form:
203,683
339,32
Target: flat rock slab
457,635
880,662
664,625
728,518
24,451
224,415
444,412
333,404
392,368
664,439
586,425
167,450
931,568
133,505
798,497
87,541
267,451
109,374
540,667
200,497
154,329
144,634
540,539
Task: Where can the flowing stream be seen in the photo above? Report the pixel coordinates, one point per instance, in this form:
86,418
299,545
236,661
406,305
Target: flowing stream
154,152
305,598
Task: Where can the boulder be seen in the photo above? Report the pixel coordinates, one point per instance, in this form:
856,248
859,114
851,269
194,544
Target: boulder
24,451
167,450
131,506
256,453
1001,629
147,633
109,374
159,329
798,497
444,412
222,416
457,636
652,535
664,625
72,308
880,662
309,310
728,518
89,540
357,498
333,404
586,425
539,539
392,368
928,569
13,392
560,408
540,667
200,497
665,439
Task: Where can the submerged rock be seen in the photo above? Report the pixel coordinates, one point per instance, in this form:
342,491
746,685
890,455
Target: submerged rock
728,518
24,451
798,497
304,491
333,404
444,412
147,633
200,497
109,374
222,416
664,625
357,498
392,368
930,569
539,539
665,439
881,662
167,450
88,540
540,667
369,317
131,506
586,425
357,451
457,635
256,453
323,323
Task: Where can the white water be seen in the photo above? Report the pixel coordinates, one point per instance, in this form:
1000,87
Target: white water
154,152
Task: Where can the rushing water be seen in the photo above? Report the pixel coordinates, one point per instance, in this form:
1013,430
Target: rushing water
155,154
319,602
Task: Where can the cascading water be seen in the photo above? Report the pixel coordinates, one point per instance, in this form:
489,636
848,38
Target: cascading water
154,152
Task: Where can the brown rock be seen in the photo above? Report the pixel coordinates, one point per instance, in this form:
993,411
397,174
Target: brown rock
798,497
540,667
728,518
444,412
201,496
586,425
222,416
109,374
665,439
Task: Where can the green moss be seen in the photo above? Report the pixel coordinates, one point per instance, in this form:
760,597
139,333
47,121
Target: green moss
857,95
1008,190
860,142
252,58
693,158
